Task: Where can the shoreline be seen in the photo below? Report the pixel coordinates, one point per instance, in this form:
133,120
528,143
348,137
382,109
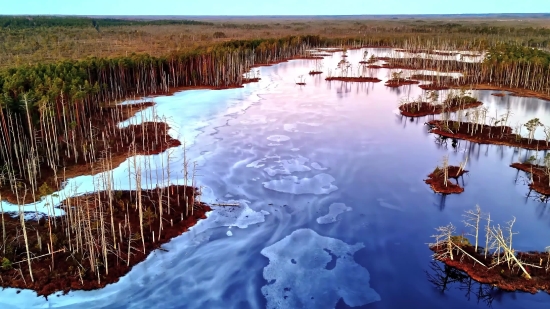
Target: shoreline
354,79
425,109
117,146
394,83
502,135
541,179
127,111
73,270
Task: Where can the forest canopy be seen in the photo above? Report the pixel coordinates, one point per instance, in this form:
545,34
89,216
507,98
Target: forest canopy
25,22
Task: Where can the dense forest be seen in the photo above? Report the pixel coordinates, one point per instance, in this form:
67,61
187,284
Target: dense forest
23,22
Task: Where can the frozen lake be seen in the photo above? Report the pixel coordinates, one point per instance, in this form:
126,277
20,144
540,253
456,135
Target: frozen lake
333,209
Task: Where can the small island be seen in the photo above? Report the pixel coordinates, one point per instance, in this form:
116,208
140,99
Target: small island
345,68
358,79
397,80
301,81
318,68
454,102
539,179
496,263
439,179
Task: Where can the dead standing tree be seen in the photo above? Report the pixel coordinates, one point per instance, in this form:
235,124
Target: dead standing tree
472,220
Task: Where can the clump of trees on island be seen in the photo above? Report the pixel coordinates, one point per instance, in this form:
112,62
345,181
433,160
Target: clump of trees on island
345,73
398,80
497,132
439,179
318,68
428,104
489,256
538,170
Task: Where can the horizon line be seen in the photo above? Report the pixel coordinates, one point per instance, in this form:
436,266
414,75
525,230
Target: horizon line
286,15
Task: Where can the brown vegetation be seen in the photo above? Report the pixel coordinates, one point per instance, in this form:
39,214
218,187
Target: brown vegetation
112,146
540,176
485,134
358,79
496,263
397,82
430,52
501,276
99,239
453,103
439,179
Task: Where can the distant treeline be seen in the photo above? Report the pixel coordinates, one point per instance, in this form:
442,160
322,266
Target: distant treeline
25,22
532,36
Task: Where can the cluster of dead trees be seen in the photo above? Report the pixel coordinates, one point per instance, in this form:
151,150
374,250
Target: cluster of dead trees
497,244
429,102
53,115
103,229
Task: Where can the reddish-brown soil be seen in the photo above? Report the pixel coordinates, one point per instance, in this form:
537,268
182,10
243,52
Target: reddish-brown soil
355,79
471,55
426,51
315,72
498,94
441,79
394,83
374,66
303,57
117,143
496,135
436,180
67,261
501,276
423,108
516,92
251,80
434,86
541,179
423,64
309,57
335,50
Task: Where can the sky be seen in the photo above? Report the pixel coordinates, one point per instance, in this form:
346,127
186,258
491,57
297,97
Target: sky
267,7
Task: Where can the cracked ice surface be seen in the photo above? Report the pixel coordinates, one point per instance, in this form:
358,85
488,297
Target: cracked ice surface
302,258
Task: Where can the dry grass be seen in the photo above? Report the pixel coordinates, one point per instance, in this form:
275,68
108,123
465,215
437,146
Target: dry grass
51,44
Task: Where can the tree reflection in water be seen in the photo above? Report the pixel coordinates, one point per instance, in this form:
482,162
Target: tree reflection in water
445,278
